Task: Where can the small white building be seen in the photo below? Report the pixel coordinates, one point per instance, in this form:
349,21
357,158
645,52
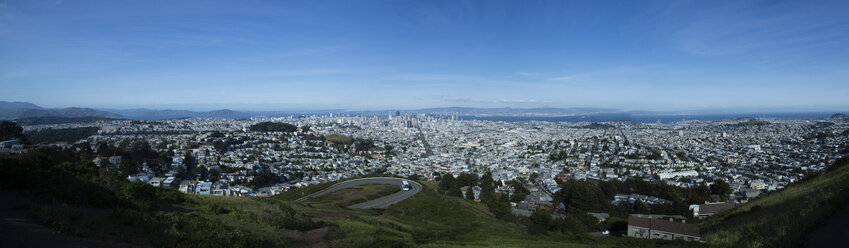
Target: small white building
203,188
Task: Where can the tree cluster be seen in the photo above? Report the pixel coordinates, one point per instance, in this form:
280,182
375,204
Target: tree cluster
11,130
70,135
498,204
519,189
273,127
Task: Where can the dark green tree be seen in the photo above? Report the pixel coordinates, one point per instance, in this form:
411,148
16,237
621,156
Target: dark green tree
499,206
519,189
11,130
540,222
190,163
455,191
640,207
466,179
582,195
721,188
447,182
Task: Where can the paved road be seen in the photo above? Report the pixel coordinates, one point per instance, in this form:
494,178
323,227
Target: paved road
382,202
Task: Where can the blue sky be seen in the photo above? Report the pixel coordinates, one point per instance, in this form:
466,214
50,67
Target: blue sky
646,55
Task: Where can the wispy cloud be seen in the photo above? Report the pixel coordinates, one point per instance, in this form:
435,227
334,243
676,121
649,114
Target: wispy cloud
565,78
773,29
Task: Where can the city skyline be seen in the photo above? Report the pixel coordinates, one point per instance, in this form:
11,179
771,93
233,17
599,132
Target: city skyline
661,56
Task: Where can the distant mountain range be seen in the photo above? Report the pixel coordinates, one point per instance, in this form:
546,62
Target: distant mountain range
23,110
18,105
18,110
27,111
157,114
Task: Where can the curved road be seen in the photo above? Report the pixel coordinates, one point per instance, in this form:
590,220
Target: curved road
382,202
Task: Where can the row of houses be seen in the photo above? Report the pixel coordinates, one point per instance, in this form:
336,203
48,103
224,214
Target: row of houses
11,146
219,188
643,198
652,227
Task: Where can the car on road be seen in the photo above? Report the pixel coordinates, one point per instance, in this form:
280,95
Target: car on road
406,185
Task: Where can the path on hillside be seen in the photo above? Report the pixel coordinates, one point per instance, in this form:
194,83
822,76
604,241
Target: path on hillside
833,232
382,202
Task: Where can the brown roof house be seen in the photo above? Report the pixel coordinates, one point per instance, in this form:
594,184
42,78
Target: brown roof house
649,228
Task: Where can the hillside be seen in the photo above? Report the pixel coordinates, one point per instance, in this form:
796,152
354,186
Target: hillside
19,110
431,219
158,114
18,105
783,218
80,202
61,120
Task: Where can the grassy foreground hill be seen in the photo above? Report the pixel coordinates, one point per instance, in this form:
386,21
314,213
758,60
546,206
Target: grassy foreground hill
783,218
66,193
72,197
431,219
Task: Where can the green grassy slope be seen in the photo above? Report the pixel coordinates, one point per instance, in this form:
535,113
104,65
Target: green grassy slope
72,196
783,218
431,219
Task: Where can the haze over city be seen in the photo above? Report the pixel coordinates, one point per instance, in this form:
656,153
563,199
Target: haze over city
302,55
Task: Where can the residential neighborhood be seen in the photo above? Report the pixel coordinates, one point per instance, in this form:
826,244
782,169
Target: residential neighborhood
225,157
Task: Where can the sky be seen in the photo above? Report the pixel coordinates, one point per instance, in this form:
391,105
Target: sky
367,55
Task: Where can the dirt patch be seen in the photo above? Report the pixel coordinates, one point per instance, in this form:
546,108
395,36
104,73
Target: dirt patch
312,238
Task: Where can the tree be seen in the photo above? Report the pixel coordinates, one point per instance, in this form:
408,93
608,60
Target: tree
700,194
273,127
70,135
499,206
640,207
455,191
447,182
264,178
470,194
364,144
214,175
540,222
487,179
721,188
466,179
488,194
610,188
11,130
582,195
190,163
519,189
